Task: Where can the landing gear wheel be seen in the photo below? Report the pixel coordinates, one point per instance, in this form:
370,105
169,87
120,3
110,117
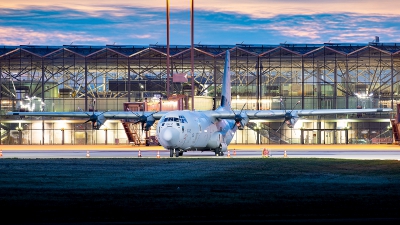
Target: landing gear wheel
171,153
218,151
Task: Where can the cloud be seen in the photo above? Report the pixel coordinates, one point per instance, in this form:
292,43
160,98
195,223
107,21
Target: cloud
252,8
223,22
21,36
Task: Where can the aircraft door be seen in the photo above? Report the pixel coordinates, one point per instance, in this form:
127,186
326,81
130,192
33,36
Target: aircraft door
184,135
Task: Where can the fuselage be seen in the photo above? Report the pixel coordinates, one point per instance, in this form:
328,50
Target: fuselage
194,130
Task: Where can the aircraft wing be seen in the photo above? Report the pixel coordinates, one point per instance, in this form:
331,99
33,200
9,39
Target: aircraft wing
106,114
271,114
266,114
251,114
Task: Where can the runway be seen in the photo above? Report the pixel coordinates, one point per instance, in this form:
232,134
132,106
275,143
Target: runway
362,152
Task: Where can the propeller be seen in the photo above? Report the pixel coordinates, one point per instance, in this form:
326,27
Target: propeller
96,119
288,115
238,119
143,120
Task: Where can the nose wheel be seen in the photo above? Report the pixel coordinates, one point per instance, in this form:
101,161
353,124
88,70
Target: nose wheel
175,152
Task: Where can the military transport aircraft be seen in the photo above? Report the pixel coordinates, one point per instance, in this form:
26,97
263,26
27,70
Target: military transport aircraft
211,130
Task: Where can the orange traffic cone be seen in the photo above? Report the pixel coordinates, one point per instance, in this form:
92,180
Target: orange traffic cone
265,153
234,151
158,154
284,154
139,154
229,154
87,154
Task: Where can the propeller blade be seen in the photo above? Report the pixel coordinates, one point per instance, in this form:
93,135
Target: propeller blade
288,115
283,106
280,125
79,108
295,106
102,113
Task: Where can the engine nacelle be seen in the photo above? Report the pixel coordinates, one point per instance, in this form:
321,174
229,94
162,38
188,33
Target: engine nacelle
99,122
290,123
215,140
148,125
242,123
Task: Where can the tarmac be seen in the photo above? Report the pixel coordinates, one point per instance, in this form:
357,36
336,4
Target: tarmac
239,147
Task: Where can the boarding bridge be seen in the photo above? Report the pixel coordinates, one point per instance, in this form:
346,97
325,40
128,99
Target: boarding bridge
269,133
133,129
396,125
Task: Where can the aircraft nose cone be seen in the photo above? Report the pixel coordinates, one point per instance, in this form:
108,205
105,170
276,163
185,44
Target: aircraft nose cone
167,136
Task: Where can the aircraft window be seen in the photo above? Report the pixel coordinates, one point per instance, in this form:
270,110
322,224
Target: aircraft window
176,120
178,124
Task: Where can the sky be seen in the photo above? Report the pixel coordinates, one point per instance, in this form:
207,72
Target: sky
216,22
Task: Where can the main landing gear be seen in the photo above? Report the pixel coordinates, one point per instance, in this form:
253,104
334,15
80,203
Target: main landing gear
175,152
219,152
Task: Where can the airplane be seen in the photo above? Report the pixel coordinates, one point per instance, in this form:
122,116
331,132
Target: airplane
210,130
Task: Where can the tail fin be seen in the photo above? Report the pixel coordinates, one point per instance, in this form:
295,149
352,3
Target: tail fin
226,84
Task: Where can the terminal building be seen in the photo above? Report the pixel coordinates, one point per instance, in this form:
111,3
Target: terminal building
318,76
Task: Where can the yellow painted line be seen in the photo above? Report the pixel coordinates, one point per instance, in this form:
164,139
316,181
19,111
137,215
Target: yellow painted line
240,147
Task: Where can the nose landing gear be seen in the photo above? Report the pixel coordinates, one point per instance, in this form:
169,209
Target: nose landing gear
175,152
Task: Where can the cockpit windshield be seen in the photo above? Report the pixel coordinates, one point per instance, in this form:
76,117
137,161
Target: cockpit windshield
181,119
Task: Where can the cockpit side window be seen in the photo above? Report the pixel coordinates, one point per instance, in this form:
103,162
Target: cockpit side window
182,119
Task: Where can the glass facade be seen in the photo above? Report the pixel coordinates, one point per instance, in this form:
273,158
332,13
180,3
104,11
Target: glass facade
286,76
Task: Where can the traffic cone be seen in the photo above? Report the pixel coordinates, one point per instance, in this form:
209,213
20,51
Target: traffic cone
284,154
139,154
1,153
265,153
229,154
158,154
87,154
234,151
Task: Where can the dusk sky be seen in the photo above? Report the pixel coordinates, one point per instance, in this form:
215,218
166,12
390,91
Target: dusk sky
216,22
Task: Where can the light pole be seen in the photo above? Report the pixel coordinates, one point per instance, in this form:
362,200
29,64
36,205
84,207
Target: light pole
167,48
105,138
192,49
62,136
19,135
